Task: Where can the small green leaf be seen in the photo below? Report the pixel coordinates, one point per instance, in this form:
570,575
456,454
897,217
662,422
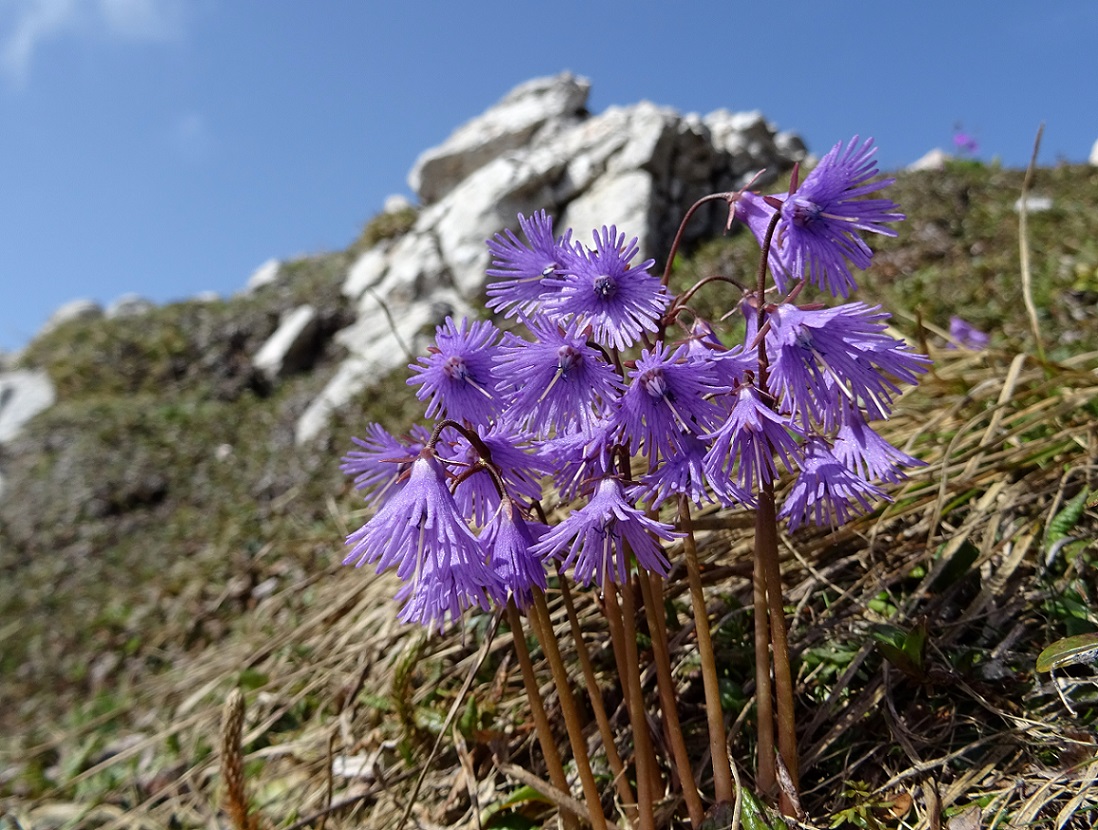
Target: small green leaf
1082,648
1064,522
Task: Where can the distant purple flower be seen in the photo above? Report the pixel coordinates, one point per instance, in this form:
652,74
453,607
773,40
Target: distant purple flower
599,536
456,377
815,351
600,287
965,143
508,540
967,335
557,382
420,532
382,459
746,444
522,268
865,452
826,493
818,232
666,398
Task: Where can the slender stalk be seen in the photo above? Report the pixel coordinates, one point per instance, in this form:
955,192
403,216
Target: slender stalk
569,709
537,707
766,771
642,741
766,548
768,564
667,699
621,780
722,772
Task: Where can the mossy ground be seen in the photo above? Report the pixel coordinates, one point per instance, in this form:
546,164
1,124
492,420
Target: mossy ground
163,540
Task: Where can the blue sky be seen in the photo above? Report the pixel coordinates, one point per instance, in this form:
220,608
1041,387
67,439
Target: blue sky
167,147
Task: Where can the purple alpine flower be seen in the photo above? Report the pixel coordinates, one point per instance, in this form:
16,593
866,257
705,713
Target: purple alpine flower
680,473
508,540
818,354
579,457
966,335
476,494
382,459
745,446
456,377
865,452
420,532
665,399
826,493
599,536
599,287
556,383
817,235
523,268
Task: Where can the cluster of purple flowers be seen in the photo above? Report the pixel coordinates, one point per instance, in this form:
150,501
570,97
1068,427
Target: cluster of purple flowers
589,398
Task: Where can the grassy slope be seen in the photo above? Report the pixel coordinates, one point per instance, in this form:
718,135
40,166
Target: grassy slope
160,530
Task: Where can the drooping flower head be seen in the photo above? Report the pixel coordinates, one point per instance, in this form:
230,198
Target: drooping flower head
382,459
599,536
817,237
557,382
741,454
601,288
508,540
666,398
522,269
818,355
826,493
421,534
863,451
476,493
456,377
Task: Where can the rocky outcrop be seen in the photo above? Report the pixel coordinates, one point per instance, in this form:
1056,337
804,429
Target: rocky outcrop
638,167
23,394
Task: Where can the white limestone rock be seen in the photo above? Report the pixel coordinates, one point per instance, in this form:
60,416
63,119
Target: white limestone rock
128,305
292,346
23,394
538,106
637,167
265,274
933,160
82,309
1094,154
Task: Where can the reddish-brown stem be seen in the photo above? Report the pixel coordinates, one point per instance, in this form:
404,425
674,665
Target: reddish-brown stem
712,197
638,717
769,567
766,773
722,772
653,605
537,707
544,627
621,780
766,550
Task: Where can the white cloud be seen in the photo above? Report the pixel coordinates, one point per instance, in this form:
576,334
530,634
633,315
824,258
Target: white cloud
27,24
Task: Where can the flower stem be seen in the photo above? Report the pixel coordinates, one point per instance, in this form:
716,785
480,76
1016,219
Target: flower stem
568,707
621,780
642,741
766,551
652,588
722,772
537,706
766,775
